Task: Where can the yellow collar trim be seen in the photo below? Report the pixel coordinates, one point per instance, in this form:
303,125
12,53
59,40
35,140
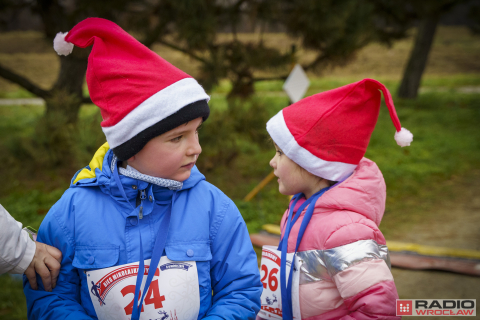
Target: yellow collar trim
96,162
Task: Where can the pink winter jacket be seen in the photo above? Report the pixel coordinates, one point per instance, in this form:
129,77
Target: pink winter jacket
346,268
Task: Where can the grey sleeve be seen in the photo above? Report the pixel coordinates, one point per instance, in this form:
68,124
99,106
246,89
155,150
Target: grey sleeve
17,249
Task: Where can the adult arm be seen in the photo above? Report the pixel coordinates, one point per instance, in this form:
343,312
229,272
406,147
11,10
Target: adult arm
234,271
63,302
17,249
20,254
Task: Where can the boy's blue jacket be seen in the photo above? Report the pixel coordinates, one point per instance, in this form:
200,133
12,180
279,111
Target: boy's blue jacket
94,227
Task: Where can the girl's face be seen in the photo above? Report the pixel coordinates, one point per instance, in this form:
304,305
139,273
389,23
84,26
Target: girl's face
292,179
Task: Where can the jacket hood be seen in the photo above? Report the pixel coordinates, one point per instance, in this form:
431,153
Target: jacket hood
364,192
99,173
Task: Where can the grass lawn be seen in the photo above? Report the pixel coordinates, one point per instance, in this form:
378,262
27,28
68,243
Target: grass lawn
444,121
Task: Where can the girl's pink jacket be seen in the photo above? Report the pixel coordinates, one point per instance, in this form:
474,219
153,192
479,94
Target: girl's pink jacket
346,268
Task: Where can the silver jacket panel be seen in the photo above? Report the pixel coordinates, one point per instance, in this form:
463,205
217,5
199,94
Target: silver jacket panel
319,265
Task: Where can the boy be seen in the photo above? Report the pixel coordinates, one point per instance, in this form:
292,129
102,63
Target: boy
142,201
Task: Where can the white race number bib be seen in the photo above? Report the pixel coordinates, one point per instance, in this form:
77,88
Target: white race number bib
270,276
173,293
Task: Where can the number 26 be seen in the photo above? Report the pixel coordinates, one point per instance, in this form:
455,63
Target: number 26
272,279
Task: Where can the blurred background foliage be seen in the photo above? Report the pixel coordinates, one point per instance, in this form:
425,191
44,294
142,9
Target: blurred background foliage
242,51
333,32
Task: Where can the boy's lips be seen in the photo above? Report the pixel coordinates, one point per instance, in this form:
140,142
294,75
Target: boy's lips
189,165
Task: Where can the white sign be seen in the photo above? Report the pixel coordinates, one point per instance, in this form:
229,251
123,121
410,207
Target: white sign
271,300
173,293
296,84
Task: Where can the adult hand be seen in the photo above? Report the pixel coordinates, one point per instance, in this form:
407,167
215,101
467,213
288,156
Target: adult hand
46,262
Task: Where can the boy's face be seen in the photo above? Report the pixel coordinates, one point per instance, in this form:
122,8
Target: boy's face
171,155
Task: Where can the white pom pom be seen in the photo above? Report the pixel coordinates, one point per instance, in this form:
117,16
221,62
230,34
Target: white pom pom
403,137
61,46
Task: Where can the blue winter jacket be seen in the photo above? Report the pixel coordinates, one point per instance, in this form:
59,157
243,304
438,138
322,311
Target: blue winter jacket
94,227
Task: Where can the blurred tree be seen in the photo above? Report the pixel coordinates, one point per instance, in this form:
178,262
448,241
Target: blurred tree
192,27
334,29
337,29
474,17
426,14
183,25
64,98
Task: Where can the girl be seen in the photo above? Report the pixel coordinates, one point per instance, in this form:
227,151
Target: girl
332,222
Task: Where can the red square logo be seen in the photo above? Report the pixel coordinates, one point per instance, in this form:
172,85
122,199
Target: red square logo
404,307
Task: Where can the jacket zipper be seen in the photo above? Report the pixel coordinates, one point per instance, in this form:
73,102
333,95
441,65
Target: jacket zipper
143,196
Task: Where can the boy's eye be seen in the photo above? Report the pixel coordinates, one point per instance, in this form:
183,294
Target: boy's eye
279,152
176,139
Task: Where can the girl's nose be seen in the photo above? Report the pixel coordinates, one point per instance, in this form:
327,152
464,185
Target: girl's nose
272,163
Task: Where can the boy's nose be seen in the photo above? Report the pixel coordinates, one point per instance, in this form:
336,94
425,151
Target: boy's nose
195,147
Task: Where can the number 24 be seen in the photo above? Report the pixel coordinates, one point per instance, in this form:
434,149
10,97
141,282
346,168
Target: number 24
272,279
152,291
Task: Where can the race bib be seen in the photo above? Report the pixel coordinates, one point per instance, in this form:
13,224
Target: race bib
270,276
173,293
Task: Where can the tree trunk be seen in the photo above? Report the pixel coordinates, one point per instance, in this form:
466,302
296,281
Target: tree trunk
59,126
67,93
418,57
242,86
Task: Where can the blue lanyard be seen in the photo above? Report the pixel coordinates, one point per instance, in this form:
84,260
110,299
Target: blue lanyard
156,254
283,246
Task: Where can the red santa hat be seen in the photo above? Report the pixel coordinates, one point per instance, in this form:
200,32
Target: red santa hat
140,95
327,134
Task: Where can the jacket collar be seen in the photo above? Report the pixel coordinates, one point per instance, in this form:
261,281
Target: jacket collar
99,174
132,173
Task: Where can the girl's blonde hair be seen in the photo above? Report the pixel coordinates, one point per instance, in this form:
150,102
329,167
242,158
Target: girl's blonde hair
302,170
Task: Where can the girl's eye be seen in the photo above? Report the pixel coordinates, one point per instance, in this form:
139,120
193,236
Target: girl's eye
177,139
279,152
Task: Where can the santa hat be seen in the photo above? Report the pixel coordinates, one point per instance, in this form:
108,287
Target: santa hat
140,95
328,133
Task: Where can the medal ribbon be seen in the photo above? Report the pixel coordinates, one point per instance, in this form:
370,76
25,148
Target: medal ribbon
286,288
158,248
